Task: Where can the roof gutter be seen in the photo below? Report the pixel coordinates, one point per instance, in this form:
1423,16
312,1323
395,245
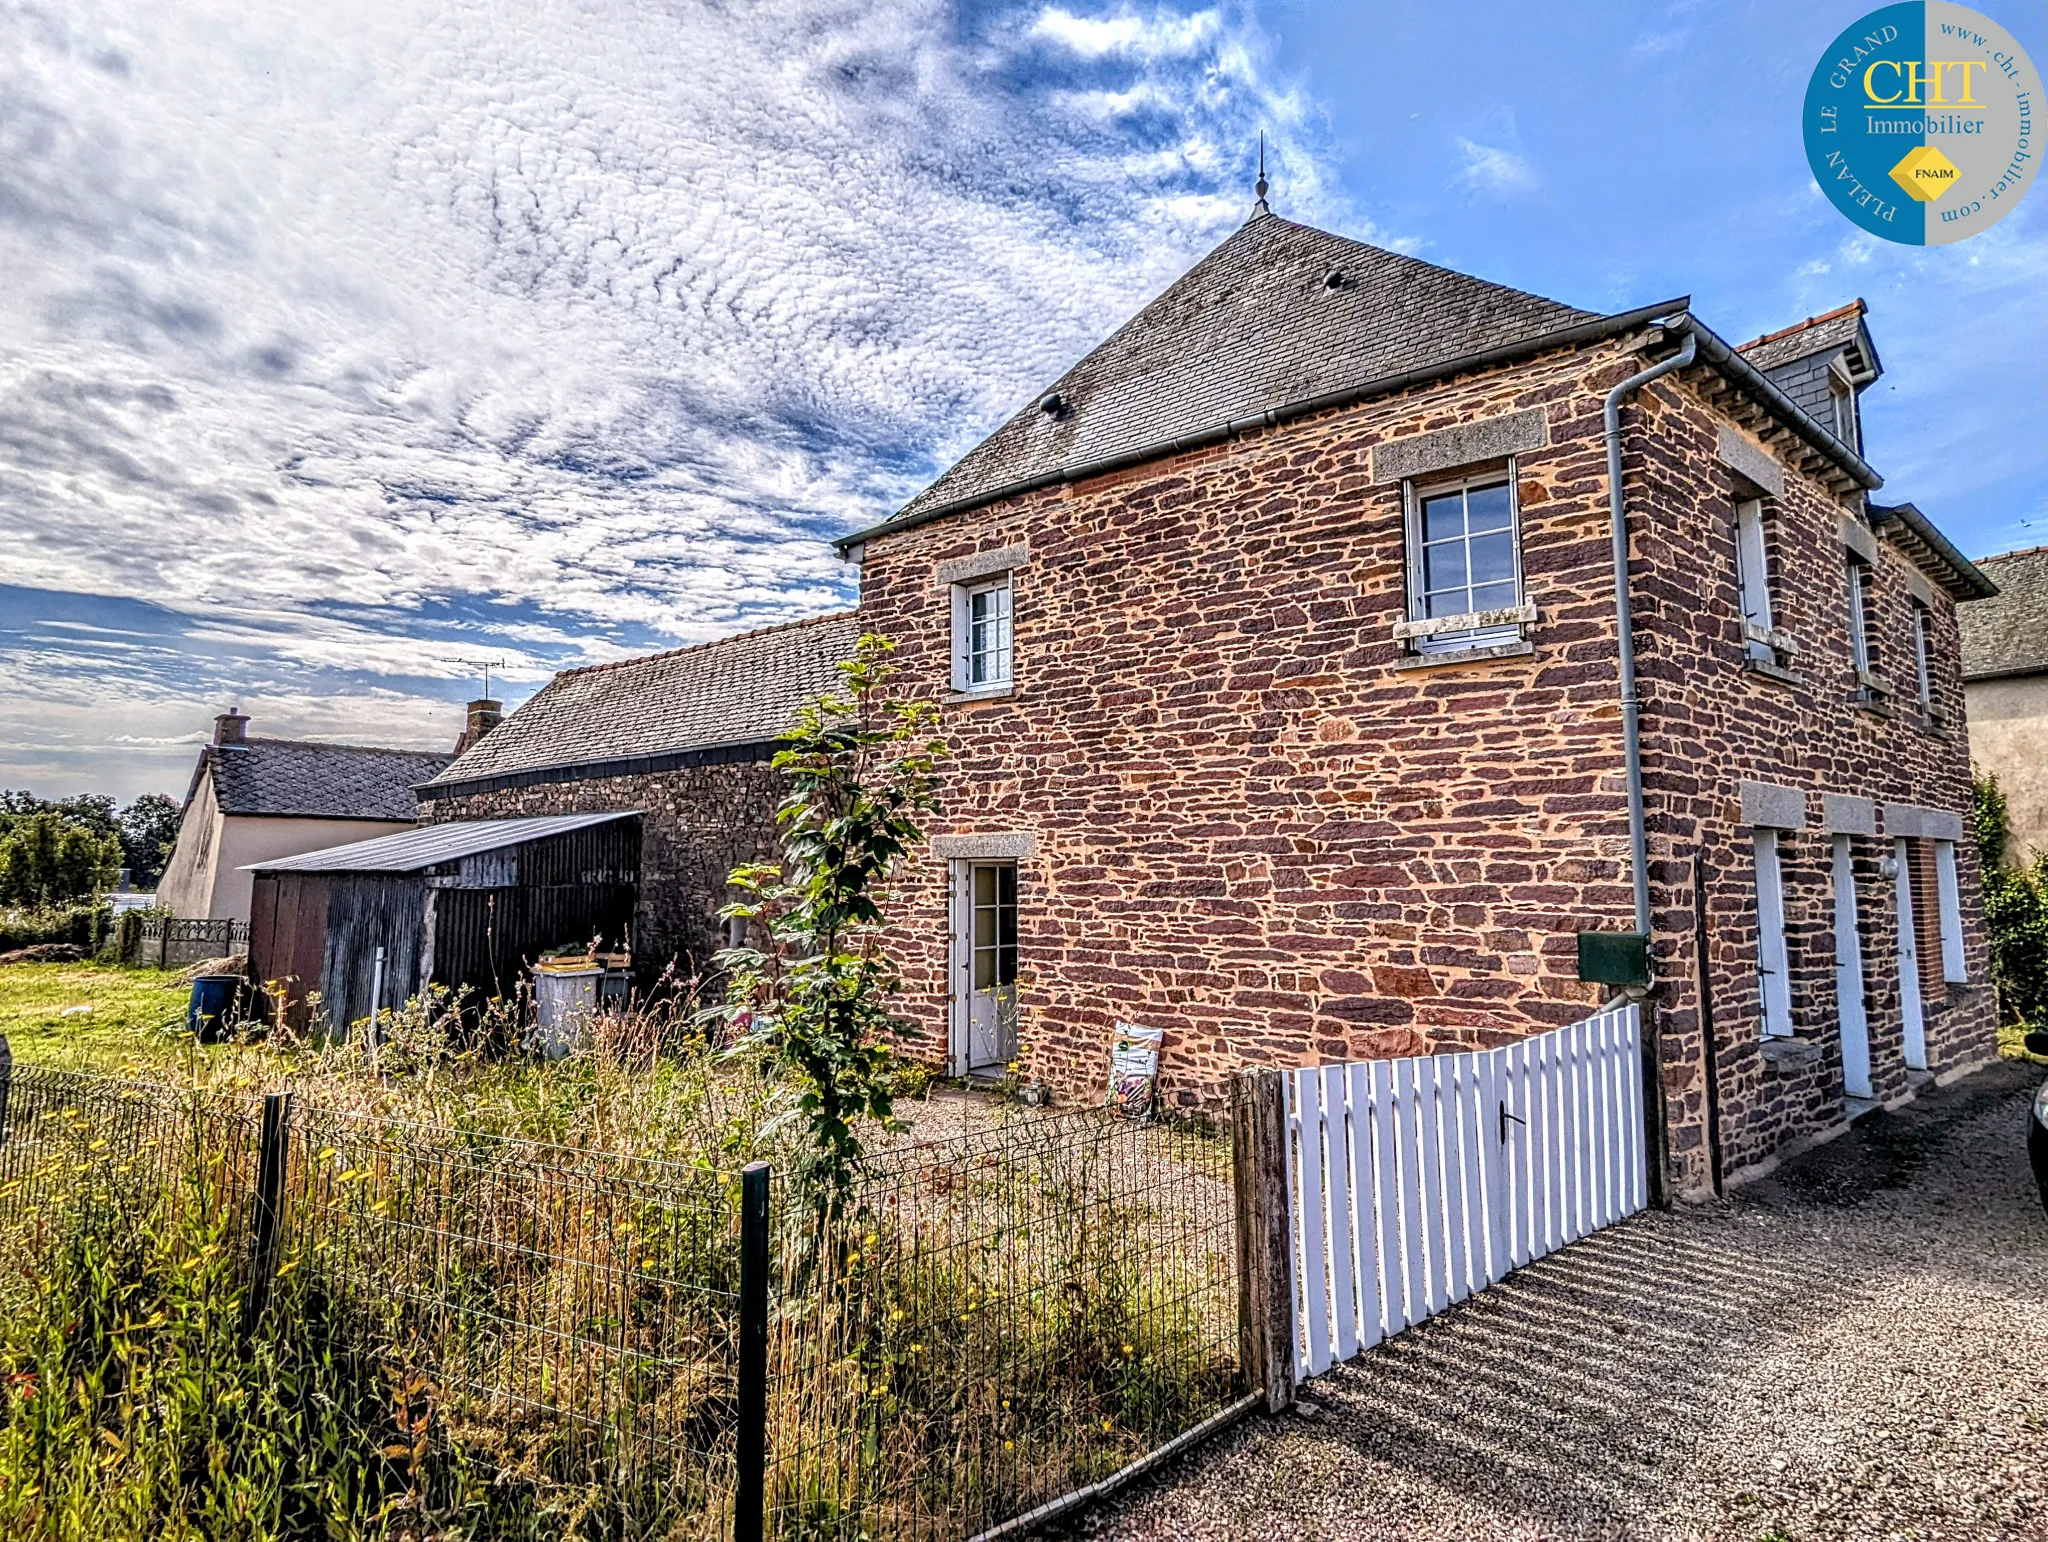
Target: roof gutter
1967,573
1746,375
1565,337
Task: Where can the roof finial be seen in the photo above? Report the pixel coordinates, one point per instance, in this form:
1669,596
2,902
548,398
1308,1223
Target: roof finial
1259,187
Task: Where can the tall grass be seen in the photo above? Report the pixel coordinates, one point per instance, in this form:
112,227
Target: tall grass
506,1306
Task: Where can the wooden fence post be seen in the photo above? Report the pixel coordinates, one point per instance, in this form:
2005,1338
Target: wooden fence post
749,1511
6,1081
270,1165
1265,1285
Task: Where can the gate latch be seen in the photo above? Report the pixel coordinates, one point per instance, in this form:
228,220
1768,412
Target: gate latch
1505,1116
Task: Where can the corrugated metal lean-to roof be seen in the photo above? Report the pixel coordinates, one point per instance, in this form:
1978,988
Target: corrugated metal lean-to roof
411,851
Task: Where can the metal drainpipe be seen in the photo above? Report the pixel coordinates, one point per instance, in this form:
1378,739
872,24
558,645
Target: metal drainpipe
1631,708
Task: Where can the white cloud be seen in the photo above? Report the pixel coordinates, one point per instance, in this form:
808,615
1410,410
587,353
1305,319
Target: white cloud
587,318
1158,34
1494,169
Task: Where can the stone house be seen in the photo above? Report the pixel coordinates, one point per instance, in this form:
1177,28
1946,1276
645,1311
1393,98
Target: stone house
682,738
1278,643
258,799
2005,682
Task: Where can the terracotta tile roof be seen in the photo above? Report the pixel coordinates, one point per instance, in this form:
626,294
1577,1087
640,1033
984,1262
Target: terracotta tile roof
739,690
298,778
2008,634
1830,329
1254,325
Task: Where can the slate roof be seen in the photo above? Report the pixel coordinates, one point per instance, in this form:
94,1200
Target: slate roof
1839,328
296,778
2008,634
740,690
1252,326
411,851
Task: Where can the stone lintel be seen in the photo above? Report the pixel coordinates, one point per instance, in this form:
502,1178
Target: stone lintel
1462,444
1931,824
982,564
1015,846
1843,814
1752,462
1768,806
1857,537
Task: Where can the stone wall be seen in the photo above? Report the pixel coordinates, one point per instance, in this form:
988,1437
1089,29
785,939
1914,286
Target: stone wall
1711,722
697,824
1261,825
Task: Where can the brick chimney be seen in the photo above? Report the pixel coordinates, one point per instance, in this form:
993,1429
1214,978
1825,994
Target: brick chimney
231,728
484,715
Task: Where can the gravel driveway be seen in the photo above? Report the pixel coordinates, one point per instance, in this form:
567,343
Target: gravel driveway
1855,1347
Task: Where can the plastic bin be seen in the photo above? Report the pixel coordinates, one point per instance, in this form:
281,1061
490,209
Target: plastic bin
564,1001
215,1005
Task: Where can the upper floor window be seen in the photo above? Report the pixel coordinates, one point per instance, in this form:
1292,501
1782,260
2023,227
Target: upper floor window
1464,559
1753,574
1862,638
1923,680
981,635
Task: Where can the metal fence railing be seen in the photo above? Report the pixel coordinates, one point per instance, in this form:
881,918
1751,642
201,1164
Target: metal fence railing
997,1323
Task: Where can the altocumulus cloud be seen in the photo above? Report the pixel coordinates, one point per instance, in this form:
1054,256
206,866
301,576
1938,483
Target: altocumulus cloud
343,343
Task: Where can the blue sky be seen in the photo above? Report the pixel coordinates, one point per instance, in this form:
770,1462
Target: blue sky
345,348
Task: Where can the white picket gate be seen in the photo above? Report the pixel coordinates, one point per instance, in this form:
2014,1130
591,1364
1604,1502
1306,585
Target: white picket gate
1414,1183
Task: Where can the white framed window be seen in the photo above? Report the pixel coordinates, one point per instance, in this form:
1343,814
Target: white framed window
982,638
1862,640
1465,559
1923,681
1948,904
1753,574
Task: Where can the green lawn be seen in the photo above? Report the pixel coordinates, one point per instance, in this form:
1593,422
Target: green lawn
103,1017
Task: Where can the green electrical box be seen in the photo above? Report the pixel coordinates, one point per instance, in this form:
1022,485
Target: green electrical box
1614,958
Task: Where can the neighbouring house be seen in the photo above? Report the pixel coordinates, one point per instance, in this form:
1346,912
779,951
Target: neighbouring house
1278,648
253,799
2005,682
684,740
464,905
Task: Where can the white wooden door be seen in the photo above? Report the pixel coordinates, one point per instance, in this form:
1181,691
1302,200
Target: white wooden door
988,910
1915,1030
1773,973
1849,976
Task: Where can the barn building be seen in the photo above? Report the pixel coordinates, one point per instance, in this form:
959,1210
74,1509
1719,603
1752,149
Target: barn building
467,904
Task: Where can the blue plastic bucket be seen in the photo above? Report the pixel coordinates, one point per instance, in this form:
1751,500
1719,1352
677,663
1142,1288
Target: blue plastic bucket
212,1010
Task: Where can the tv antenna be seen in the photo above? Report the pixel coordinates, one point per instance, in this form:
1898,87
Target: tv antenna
487,665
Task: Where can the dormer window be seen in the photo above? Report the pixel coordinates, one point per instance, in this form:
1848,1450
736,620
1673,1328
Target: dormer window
1842,403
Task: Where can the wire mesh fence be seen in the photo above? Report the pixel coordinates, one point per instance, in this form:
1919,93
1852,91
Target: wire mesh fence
997,1320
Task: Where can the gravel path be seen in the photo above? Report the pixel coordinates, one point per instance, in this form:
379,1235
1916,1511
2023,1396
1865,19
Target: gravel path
1856,1347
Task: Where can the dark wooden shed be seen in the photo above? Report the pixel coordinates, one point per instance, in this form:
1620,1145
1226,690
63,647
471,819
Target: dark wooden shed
467,903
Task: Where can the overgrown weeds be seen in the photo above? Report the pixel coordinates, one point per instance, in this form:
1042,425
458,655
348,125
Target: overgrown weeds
506,1305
